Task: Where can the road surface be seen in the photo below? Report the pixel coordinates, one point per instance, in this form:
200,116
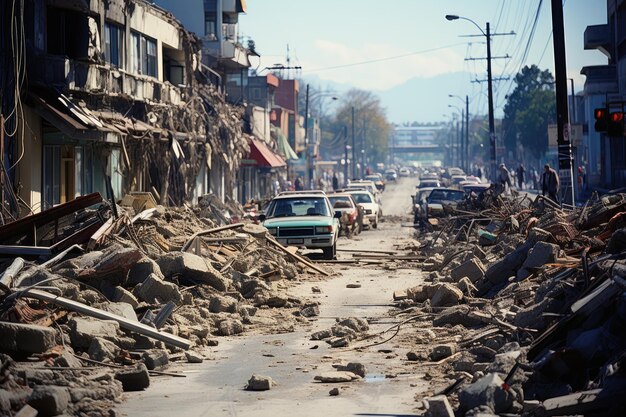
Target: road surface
215,387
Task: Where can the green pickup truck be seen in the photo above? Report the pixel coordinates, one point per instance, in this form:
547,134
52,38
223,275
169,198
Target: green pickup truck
303,220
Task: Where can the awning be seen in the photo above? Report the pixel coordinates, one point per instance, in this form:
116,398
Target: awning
264,156
283,145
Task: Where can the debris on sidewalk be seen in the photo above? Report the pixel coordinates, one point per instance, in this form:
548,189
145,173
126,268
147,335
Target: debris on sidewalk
528,301
106,299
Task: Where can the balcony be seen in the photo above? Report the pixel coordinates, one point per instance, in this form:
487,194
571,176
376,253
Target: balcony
599,37
232,56
87,77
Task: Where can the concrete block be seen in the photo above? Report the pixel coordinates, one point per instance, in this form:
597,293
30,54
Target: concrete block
26,338
507,267
134,379
456,315
155,290
122,295
192,270
541,254
142,270
83,330
472,269
486,391
230,327
446,295
49,400
155,359
121,309
221,304
442,351
438,406
102,350
260,383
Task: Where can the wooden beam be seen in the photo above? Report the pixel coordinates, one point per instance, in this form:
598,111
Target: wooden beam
208,232
297,257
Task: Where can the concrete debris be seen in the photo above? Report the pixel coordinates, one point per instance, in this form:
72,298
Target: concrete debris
539,298
226,280
438,406
260,383
335,377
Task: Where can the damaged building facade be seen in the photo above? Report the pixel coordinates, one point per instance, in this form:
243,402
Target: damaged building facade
115,96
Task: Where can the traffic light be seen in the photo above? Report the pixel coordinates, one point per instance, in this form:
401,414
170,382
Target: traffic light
602,119
616,124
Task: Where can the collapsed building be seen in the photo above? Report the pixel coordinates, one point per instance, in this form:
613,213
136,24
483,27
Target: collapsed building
111,97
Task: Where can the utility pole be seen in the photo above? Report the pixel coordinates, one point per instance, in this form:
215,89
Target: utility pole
458,142
353,148
467,155
363,148
345,158
307,154
492,124
562,116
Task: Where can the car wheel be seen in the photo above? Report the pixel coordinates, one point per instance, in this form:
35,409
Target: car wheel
375,224
330,252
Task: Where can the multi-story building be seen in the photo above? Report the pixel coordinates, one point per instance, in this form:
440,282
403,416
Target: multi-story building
115,100
605,87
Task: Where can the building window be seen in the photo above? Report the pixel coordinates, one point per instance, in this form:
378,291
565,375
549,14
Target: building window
113,41
143,55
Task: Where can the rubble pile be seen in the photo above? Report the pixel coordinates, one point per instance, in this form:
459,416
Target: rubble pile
524,308
125,296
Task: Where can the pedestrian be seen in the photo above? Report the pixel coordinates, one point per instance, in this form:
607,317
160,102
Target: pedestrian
521,171
335,181
504,178
550,183
479,173
534,178
299,184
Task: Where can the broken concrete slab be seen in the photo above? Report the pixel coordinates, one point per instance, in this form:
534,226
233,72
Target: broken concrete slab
191,269
472,269
230,327
487,391
134,379
84,330
438,406
338,376
456,315
193,357
222,304
142,270
103,350
155,359
26,338
49,400
541,254
155,290
354,367
260,383
122,295
446,295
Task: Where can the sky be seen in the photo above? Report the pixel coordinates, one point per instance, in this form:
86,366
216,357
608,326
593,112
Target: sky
368,45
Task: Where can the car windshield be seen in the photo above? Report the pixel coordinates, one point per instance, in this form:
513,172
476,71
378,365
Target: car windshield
372,178
345,202
362,198
300,206
445,195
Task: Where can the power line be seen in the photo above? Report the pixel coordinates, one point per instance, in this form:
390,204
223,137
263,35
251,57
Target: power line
371,61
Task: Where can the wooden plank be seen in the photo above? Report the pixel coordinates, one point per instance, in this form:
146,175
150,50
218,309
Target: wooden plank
388,252
297,257
131,325
8,276
209,231
101,233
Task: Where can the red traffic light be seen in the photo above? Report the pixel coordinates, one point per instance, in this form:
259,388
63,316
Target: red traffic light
599,114
617,117
602,119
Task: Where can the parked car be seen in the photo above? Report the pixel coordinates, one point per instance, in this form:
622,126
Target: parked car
372,210
404,172
419,200
456,180
351,220
439,199
391,175
429,184
364,184
304,220
378,181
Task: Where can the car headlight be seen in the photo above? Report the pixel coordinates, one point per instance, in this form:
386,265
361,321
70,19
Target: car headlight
273,230
323,229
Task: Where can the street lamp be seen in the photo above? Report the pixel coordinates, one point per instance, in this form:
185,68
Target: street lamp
309,149
459,136
492,129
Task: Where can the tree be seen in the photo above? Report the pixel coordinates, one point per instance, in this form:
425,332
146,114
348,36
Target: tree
369,120
528,111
